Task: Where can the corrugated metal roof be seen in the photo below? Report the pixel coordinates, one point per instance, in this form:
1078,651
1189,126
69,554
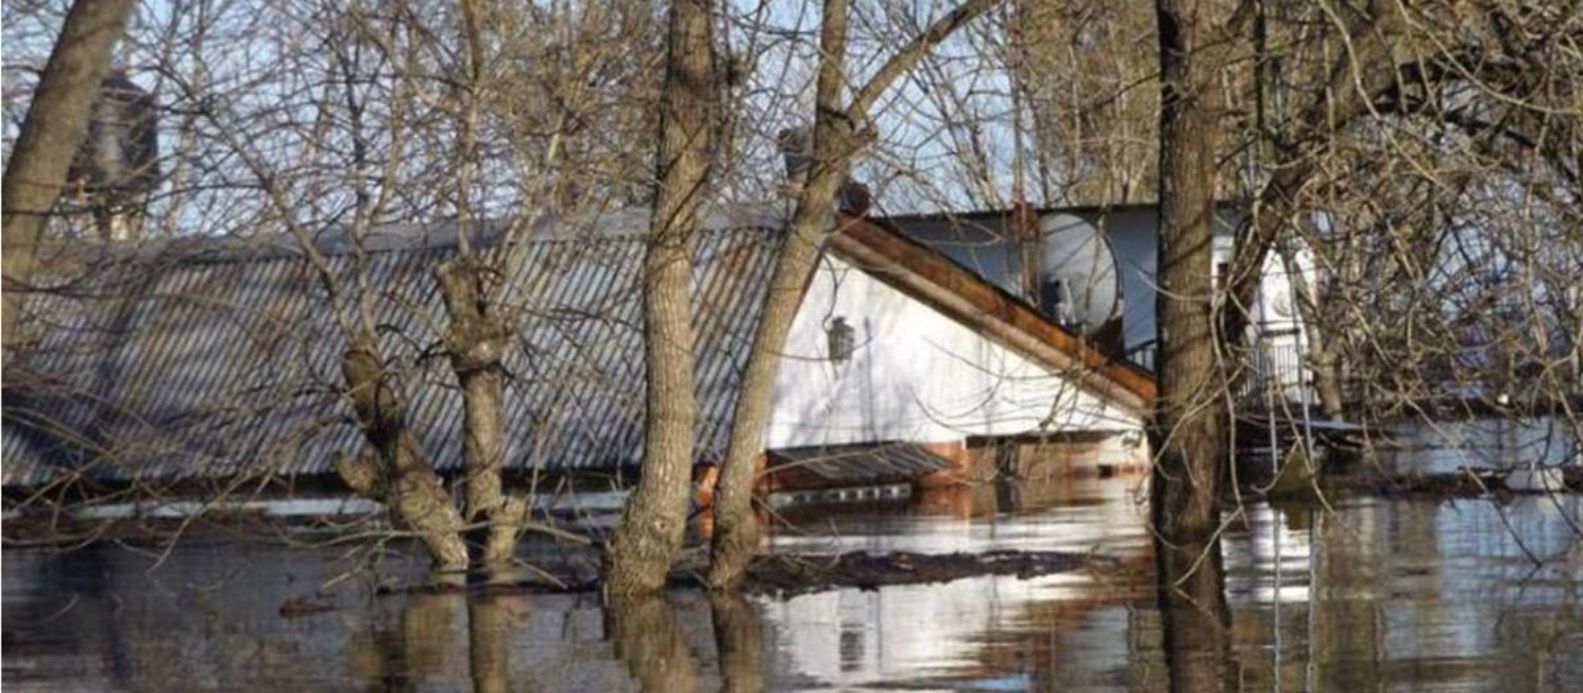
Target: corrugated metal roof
209,357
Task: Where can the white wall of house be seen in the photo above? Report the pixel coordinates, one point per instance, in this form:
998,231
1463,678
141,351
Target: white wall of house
916,374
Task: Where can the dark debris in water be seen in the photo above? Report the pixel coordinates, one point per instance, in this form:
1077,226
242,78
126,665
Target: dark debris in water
1466,483
299,606
799,573
795,574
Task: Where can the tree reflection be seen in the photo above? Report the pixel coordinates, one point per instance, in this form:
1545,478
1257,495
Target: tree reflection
425,648
739,640
1197,622
490,620
649,640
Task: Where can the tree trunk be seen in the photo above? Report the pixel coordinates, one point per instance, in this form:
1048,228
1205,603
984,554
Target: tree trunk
394,470
1323,358
644,543
736,534
51,133
477,340
1188,429
835,142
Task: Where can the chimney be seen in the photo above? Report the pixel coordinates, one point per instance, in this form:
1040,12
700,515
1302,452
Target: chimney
117,165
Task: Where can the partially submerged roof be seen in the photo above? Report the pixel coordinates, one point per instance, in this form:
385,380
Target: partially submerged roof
219,358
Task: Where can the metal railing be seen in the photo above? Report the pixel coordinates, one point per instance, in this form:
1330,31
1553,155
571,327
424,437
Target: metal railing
1275,372
1277,368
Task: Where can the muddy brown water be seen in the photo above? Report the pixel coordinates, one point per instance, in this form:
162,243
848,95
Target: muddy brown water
1377,595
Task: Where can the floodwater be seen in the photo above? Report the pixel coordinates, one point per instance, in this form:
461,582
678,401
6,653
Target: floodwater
1375,595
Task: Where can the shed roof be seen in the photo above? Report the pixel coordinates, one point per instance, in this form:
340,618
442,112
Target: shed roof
219,357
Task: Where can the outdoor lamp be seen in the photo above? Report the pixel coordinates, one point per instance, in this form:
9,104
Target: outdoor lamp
841,340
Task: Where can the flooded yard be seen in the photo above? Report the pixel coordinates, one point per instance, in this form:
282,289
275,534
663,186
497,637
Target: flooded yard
1377,594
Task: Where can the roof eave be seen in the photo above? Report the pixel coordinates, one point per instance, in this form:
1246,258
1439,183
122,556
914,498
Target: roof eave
926,275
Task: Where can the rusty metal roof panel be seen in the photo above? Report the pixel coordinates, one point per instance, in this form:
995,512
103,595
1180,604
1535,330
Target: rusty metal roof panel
222,360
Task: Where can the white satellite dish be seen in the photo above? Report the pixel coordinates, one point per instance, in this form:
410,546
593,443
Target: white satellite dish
1078,283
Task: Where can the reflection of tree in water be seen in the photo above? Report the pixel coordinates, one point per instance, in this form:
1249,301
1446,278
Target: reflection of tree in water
73,611
739,644
1194,616
490,621
494,643
648,639
1349,572
426,646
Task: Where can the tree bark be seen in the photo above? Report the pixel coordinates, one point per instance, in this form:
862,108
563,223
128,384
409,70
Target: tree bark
396,472
836,140
477,339
1188,430
736,536
644,543
51,133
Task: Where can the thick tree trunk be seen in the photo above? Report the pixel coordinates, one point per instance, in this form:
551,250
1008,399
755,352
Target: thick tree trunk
477,340
736,536
393,469
644,543
737,532
1189,424
51,133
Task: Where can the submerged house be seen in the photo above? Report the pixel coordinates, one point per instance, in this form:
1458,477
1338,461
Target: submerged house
207,363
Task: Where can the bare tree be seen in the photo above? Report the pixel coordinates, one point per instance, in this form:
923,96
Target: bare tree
1188,436
364,117
839,132
641,549
57,120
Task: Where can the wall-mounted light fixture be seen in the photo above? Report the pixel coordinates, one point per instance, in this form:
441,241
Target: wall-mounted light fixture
841,340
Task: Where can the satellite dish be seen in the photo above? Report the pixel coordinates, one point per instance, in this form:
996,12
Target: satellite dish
1078,281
